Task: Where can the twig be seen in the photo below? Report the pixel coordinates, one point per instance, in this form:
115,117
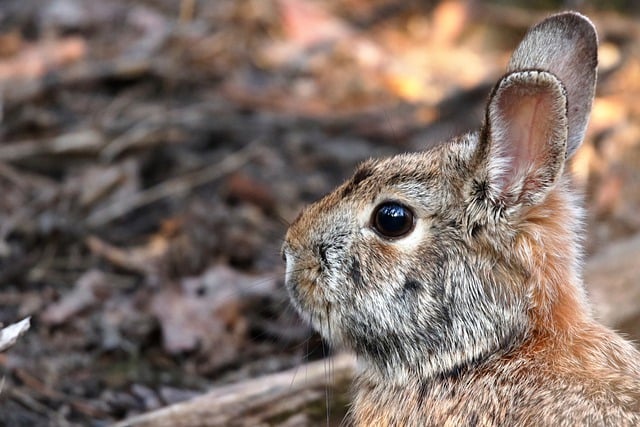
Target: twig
122,258
253,402
25,399
25,180
38,388
83,141
144,134
175,186
85,72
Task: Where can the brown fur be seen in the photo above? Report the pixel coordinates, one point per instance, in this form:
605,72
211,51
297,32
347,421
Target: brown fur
477,314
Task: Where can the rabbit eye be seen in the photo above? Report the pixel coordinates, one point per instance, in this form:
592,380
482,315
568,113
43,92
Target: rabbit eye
392,219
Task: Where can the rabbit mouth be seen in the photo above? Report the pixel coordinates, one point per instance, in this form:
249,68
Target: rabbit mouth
307,295
301,284
311,306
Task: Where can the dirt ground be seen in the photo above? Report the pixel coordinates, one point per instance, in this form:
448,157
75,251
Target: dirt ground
152,153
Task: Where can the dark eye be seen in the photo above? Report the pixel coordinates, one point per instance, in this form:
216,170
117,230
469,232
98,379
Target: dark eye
391,219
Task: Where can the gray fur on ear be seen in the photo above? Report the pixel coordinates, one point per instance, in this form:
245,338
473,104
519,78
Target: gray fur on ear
566,45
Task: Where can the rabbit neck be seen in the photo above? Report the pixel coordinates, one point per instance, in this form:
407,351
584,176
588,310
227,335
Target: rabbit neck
550,248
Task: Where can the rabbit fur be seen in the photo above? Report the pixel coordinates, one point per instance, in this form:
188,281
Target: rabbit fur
478,314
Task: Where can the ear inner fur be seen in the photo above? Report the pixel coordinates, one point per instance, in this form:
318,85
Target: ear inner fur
527,136
566,46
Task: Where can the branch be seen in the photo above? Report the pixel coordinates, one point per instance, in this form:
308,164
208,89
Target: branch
173,187
269,400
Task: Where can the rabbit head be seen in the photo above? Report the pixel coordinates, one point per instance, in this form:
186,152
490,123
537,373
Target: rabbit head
425,262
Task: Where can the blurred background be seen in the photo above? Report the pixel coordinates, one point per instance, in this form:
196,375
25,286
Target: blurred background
153,151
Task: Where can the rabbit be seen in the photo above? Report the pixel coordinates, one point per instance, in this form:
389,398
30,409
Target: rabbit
454,274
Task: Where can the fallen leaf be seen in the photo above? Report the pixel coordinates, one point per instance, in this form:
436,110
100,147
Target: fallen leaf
205,313
88,290
10,334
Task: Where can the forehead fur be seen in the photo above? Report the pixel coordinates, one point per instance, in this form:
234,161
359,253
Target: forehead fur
441,164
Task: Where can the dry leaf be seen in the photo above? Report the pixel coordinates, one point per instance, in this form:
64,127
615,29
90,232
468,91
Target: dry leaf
10,334
88,290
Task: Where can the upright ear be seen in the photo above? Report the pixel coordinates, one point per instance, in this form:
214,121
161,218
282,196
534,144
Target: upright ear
566,45
538,113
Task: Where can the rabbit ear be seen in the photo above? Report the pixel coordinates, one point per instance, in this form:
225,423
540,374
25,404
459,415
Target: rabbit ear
565,45
525,136
538,113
